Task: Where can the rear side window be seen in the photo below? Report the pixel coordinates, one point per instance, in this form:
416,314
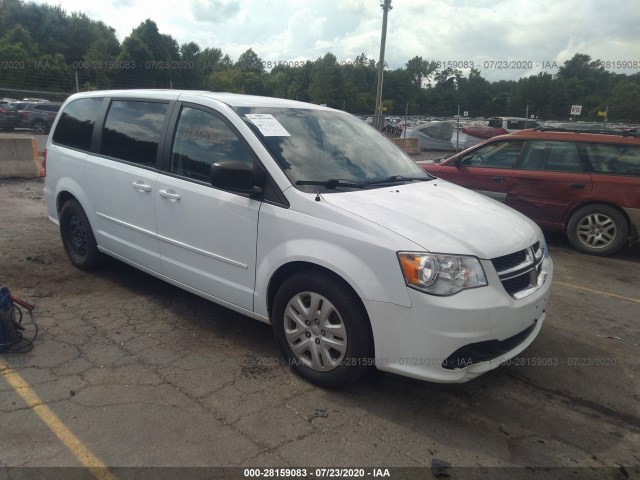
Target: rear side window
614,159
132,131
553,156
76,123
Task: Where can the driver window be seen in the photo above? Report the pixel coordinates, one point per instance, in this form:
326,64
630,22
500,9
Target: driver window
494,155
202,139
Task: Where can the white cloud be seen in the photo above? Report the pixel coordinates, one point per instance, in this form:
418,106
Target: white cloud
480,31
214,11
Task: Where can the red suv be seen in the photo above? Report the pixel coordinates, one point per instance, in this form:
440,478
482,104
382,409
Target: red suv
586,184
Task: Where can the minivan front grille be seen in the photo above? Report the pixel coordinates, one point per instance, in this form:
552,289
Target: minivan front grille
520,271
508,261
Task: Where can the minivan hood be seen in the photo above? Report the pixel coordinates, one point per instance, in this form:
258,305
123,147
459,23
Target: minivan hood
442,218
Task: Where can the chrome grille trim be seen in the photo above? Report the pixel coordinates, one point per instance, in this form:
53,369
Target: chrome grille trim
521,272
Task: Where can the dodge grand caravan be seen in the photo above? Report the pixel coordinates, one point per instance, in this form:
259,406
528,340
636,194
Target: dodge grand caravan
302,217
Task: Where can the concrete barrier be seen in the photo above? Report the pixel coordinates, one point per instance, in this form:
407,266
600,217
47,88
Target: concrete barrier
19,157
409,145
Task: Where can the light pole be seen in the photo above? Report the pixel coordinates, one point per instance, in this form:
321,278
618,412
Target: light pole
379,118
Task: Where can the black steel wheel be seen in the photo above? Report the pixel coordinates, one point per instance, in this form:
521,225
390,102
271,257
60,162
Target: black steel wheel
77,237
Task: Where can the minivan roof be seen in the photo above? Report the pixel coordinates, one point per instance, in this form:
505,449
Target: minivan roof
231,99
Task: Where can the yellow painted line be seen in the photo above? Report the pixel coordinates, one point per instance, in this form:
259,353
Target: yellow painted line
66,436
598,292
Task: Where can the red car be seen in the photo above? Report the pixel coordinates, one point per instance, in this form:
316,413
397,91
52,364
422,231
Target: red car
585,184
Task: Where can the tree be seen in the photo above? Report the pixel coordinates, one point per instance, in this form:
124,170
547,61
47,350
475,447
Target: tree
104,48
161,47
192,74
475,94
624,103
211,60
19,53
420,70
249,61
138,53
324,81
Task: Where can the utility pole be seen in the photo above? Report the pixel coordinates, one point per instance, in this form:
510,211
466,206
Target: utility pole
378,119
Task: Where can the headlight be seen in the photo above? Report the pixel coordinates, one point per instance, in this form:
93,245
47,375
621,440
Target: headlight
440,274
543,246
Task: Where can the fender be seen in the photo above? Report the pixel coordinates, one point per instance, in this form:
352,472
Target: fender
349,264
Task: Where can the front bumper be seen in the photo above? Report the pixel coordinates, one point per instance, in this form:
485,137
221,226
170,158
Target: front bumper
454,339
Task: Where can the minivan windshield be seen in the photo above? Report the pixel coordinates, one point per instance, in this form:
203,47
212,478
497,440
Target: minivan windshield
329,150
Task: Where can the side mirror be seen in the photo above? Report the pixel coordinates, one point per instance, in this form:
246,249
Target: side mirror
237,177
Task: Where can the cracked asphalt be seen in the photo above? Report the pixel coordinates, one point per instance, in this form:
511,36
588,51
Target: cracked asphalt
145,374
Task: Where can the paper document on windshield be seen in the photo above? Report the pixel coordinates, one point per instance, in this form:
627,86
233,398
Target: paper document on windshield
268,125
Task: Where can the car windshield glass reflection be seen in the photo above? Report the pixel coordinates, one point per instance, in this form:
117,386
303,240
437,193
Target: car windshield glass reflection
315,146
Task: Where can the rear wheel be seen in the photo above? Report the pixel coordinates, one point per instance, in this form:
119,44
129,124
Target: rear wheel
598,230
77,237
40,127
323,329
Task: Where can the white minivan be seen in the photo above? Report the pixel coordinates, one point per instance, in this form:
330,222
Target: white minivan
302,217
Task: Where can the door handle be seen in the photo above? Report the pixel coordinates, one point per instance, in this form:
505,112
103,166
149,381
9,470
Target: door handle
141,186
576,185
170,194
497,179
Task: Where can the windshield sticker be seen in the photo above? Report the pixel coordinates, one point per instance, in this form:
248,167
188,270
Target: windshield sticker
268,125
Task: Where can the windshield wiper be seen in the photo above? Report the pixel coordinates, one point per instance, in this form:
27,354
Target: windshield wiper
337,182
333,183
399,178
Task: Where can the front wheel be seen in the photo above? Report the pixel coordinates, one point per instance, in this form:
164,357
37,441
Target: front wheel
77,237
323,329
597,230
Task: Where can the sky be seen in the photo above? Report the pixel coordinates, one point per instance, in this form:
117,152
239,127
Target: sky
504,39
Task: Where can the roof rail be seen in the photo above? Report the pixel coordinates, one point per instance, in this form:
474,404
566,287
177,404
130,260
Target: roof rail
629,132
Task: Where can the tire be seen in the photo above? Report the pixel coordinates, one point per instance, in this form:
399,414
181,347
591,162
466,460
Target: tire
77,237
40,127
341,331
598,230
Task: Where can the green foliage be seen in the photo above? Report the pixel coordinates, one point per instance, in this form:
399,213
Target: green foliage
624,103
250,62
420,71
325,81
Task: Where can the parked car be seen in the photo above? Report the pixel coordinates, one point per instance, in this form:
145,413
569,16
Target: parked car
512,124
19,106
9,117
302,217
40,116
35,100
433,135
469,136
585,184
